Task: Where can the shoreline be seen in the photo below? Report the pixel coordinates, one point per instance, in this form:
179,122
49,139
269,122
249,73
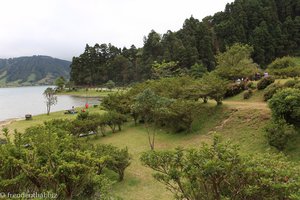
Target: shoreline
9,121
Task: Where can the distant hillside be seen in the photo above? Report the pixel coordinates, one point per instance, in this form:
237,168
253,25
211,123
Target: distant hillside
33,70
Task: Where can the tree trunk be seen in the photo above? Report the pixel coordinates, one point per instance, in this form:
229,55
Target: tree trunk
121,175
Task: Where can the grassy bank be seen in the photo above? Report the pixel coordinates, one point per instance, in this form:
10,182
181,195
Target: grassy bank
21,125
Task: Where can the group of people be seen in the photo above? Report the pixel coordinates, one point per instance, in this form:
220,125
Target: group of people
256,77
73,111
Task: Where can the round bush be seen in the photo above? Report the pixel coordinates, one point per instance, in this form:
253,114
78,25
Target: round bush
278,133
250,85
263,83
248,94
234,89
285,104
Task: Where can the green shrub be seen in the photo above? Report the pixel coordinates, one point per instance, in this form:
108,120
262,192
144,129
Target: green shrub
250,85
118,159
248,94
284,67
281,63
263,83
179,115
271,90
49,158
219,171
234,89
113,120
83,115
291,83
278,133
285,104
297,86
83,126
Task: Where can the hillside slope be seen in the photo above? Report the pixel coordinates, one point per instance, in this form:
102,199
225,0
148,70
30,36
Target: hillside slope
33,70
238,120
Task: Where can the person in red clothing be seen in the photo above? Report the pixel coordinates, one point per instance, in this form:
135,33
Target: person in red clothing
86,105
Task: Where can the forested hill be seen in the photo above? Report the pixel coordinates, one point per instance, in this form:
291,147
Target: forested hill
271,27
33,70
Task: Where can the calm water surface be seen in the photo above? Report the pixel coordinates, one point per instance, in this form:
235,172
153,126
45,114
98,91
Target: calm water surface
16,102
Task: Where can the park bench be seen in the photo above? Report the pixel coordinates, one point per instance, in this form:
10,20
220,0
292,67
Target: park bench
28,116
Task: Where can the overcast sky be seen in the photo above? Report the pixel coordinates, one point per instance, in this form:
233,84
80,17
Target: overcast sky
61,28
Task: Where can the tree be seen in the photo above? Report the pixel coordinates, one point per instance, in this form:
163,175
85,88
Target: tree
146,105
211,85
166,69
50,97
179,115
113,119
118,159
119,102
60,83
236,62
110,84
219,171
198,70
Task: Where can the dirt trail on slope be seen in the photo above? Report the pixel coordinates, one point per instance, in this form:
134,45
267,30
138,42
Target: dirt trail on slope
247,105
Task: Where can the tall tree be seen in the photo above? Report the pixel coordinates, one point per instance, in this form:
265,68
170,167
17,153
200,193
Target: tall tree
236,62
51,99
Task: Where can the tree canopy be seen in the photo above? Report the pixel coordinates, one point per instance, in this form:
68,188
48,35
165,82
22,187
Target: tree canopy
270,27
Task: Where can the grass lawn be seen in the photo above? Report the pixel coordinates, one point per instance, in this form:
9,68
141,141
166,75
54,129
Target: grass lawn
39,119
243,126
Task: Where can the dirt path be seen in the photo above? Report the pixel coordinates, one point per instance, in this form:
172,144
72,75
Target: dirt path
248,105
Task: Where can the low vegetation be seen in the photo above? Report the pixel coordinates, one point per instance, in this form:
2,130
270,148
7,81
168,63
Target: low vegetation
48,158
218,171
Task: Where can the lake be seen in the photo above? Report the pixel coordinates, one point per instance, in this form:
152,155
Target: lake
17,102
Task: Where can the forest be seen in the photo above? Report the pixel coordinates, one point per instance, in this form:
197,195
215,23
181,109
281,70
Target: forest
271,27
32,70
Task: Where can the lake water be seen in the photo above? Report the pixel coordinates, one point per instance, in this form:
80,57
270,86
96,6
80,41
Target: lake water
17,102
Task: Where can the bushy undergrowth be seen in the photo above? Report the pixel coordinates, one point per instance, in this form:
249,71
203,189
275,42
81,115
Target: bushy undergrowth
284,67
264,82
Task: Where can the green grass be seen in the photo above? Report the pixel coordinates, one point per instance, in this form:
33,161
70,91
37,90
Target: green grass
40,119
257,96
242,126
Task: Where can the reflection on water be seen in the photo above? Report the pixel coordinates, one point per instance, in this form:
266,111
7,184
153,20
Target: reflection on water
16,102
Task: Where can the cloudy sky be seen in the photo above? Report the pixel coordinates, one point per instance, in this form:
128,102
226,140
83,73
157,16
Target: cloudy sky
61,28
